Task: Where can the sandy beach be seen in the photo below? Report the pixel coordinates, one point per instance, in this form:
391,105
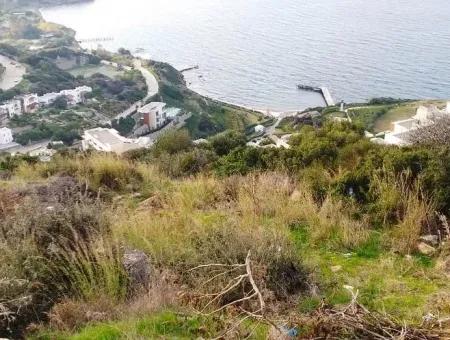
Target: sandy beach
13,74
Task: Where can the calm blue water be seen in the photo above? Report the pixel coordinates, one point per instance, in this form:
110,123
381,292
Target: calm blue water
254,52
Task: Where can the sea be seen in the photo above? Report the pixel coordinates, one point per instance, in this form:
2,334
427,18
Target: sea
255,52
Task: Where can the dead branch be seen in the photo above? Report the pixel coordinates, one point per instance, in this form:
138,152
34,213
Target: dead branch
233,283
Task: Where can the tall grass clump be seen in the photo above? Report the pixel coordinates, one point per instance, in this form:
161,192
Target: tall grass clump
404,209
208,220
417,215
91,268
51,223
108,171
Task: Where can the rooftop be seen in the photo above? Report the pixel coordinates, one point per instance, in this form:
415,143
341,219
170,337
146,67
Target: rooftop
152,106
114,140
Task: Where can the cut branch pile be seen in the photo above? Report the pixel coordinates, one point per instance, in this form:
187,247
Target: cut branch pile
353,321
240,281
356,322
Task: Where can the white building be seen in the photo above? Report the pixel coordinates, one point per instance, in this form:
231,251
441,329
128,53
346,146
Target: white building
76,95
11,108
48,98
154,115
260,129
109,140
6,136
30,103
425,116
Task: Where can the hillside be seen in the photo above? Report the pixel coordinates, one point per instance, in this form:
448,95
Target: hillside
333,237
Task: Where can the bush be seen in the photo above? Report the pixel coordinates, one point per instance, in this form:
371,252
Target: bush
186,163
49,222
226,142
172,142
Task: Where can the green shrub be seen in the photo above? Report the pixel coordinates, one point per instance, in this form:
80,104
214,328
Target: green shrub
226,142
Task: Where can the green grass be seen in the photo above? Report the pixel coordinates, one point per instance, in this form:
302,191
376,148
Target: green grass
399,112
89,70
163,325
400,286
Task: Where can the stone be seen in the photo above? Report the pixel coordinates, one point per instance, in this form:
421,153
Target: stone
430,239
282,333
425,249
137,266
336,269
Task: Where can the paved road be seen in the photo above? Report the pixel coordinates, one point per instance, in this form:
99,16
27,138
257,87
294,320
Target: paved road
152,89
13,74
28,148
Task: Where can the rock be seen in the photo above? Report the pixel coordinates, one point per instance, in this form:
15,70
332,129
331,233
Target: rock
282,333
96,316
138,268
430,239
444,265
336,269
425,249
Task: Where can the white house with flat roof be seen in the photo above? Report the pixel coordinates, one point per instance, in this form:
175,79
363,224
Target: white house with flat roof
76,95
154,115
109,140
425,116
48,98
12,108
6,136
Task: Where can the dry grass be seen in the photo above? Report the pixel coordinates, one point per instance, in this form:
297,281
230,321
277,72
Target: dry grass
401,201
72,314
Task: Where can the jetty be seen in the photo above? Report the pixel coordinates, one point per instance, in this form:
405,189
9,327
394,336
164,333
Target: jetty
308,88
196,67
322,90
327,96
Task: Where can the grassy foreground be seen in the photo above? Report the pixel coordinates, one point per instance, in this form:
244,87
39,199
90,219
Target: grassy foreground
321,226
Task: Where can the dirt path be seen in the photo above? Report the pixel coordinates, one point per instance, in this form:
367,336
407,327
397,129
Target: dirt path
13,74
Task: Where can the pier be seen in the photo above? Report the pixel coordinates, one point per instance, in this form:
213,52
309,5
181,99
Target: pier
327,96
322,90
196,67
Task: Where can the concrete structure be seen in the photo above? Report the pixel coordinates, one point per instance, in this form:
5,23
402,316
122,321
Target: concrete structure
327,96
425,116
154,115
48,98
30,103
43,153
109,140
260,129
11,108
6,136
76,95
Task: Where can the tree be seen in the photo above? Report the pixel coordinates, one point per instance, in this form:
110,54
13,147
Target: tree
60,103
227,141
172,142
124,125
